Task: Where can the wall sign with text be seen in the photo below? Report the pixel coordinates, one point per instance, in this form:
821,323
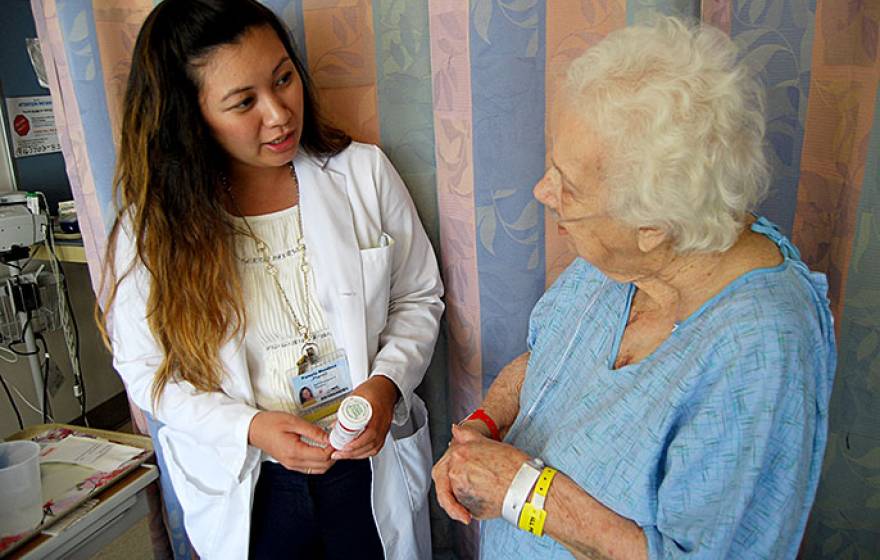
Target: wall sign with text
32,126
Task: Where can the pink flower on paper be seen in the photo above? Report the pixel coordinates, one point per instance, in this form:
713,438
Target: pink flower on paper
6,542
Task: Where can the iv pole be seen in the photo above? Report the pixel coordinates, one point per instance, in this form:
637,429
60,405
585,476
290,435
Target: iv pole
22,226
30,343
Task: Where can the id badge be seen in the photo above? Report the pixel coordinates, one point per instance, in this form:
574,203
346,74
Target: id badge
320,388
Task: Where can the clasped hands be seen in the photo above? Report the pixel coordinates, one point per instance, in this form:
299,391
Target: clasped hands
280,434
473,475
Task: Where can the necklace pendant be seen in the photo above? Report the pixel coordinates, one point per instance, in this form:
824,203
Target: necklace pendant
309,357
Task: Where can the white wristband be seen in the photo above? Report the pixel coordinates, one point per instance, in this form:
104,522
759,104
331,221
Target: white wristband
519,490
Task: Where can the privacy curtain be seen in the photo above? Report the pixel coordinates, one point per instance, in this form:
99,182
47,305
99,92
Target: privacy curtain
458,93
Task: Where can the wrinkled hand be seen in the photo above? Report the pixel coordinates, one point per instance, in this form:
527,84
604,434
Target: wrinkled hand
477,472
440,474
278,434
382,394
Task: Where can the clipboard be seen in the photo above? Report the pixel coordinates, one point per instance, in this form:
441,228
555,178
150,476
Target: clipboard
66,486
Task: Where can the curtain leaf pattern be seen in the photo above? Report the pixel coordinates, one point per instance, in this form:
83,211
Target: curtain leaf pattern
459,95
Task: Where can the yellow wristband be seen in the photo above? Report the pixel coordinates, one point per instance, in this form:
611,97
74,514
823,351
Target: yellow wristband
532,515
543,486
531,519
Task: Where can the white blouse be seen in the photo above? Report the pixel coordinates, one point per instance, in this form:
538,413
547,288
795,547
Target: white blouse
273,343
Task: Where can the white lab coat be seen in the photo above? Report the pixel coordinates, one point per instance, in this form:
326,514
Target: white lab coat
383,307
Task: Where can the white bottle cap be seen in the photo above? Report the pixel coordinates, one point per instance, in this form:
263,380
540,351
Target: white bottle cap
352,418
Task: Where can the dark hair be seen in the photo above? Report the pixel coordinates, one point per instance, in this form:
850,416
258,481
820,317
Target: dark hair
303,390
169,178
174,37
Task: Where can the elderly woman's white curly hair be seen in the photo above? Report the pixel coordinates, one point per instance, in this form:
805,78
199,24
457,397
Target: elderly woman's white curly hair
683,125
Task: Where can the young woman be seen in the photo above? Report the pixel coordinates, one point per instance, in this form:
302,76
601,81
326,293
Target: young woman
257,251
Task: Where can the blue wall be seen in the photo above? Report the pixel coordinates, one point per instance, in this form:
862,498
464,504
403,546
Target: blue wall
17,79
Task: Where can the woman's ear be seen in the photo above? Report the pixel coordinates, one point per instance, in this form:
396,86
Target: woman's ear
650,238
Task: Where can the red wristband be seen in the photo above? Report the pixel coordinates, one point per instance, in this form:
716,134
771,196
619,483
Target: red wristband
480,414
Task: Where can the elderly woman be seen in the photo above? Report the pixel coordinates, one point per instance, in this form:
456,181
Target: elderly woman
673,400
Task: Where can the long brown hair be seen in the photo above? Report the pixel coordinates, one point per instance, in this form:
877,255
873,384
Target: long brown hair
168,187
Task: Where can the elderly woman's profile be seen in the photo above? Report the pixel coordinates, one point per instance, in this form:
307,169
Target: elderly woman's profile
673,398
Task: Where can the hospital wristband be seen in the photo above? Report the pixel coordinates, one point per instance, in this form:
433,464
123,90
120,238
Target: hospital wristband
531,519
533,515
520,487
480,414
543,486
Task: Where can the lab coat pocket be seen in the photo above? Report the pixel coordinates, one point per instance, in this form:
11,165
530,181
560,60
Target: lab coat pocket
201,489
414,455
376,266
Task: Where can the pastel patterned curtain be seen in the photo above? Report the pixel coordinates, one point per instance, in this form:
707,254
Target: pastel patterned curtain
457,93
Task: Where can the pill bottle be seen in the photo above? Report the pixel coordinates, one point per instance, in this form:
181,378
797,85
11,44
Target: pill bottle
352,418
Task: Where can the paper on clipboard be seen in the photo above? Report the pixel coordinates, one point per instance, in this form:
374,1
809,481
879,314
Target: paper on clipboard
101,455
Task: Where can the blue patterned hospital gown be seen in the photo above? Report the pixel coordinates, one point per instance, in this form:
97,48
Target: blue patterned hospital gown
712,444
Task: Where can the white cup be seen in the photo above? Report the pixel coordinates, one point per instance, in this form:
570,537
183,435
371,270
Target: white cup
20,491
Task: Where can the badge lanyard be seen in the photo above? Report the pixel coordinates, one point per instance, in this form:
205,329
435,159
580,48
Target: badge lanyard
309,355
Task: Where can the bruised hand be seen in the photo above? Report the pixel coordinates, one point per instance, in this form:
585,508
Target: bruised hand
440,474
479,471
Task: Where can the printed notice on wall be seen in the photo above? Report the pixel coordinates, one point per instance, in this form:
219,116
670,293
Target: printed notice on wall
32,126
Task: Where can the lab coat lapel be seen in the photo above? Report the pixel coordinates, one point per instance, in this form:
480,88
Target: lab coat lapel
333,251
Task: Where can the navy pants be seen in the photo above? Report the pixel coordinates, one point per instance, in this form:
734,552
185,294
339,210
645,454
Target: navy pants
314,516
